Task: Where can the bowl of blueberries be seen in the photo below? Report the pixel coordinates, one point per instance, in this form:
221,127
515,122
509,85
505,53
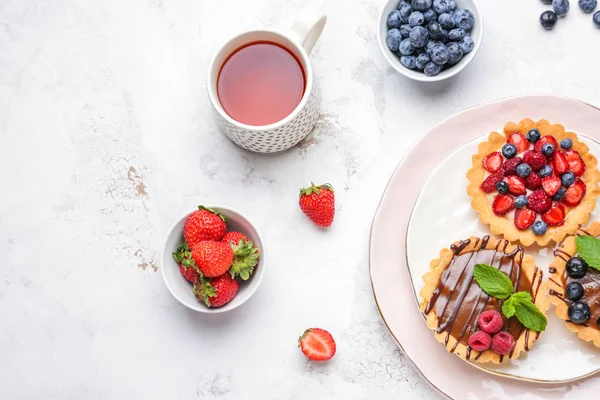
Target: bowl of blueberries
430,40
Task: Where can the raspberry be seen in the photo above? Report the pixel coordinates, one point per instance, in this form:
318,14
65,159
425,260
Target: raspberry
490,321
510,166
489,184
480,341
535,159
539,202
502,342
533,181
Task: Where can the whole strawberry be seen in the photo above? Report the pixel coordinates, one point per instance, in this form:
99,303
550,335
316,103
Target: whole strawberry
245,259
216,292
187,266
212,258
318,203
204,224
234,237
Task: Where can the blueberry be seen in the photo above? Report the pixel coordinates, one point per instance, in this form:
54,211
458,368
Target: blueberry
588,6
405,31
432,69
409,62
419,36
576,268
405,11
579,312
429,16
436,32
524,170
509,150
574,291
539,228
444,6
502,187
421,5
566,144
561,7
422,60
568,179
430,45
416,18
548,2
456,53
393,39
406,49
559,195
393,19
547,149
446,21
548,20
467,44
456,34
546,171
596,19
463,19
440,54
521,201
533,136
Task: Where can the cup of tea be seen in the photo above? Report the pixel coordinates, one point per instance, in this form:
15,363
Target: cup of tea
262,87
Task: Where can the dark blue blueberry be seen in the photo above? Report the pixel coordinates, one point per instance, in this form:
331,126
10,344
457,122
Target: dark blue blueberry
436,32
419,36
393,19
422,60
574,291
588,6
539,228
546,171
405,11
393,39
547,149
533,136
548,20
467,44
576,268
406,49
559,195
432,69
439,54
579,312
455,51
456,34
416,18
421,5
509,150
566,144
463,19
409,62
596,19
444,6
502,187
561,7
548,2
429,16
523,170
446,21
567,179
521,201
405,31
430,45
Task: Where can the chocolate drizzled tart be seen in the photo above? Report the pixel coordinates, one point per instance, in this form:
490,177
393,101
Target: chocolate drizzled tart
453,300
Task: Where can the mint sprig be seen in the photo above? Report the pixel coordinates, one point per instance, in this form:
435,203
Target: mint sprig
588,248
492,281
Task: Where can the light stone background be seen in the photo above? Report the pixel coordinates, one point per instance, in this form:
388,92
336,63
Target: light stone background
106,137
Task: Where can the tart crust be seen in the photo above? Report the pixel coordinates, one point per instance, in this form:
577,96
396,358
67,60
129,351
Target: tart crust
431,279
568,249
575,216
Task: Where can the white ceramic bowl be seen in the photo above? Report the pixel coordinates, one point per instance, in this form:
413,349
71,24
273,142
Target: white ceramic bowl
182,290
476,34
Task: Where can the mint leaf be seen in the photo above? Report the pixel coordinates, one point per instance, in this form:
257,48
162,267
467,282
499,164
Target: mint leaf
530,316
508,308
588,248
492,281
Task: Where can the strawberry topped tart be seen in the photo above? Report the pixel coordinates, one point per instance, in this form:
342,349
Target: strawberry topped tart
534,183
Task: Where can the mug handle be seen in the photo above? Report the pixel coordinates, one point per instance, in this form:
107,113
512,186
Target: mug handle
307,30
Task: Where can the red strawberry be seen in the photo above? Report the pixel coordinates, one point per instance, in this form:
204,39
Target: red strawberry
212,258
560,164
535,159
518,140
551,184
524,218
216,292
317,344
516,185
539,202
187,266
545,139
489,184
502,204
533,181
234,238
510,166
204,224
556,216
493,162
318,203
189,273
576,164
575,193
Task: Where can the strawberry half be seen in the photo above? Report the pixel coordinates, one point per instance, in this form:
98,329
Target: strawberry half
576,164
516,185
575,193
502,204
539,202
551,184
556,216
560,163
317,344
545,139
493,162
489,184
520,141
535,159
533,181
510,166
524,218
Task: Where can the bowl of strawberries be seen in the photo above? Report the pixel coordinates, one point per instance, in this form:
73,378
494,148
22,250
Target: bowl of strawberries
213,259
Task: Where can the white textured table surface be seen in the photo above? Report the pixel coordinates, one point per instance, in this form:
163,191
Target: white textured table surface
106,137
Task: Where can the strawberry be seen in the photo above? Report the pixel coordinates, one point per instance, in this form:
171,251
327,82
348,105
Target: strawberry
556,216
524,218
234,237
510,166
317,344
245,259
489,184
543,140
516,185
533,181
551,184
539,202
576,164
535,159
204,224
189,273
212,258
502,204
318,203
519,140
575,193
560,164
187,266
493,162
216,292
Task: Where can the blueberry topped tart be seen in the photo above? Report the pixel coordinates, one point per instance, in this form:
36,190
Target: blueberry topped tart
574,283
485,300
534,183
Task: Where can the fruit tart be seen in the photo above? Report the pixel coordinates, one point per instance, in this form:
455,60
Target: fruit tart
485,300
574,283
534,183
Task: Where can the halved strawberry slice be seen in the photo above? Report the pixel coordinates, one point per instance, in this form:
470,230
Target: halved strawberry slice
556,216
317,344
516,184
524,218
576,164
489,184
551,184
545,139
493,162
560,163
575,193
502,204
520,141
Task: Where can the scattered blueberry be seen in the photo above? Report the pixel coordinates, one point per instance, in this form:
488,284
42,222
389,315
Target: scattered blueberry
456,34
509,150
456,53
502,187
521,201
579,312
576,268
393,39
547,1
561,7
547,149
568,179
574,291
523,170
467,44
406,49
597,19
566,144
429,16
419,36
463,19
559,195
446,21
533,136
409,62
588,6
548,19
405,31
444,6
436,32
432,69
422,60
405,10
416,18
546,171
394,20
421,5
539,228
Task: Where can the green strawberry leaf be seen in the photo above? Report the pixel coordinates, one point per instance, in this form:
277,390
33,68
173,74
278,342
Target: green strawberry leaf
245,259
492,281
588,248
